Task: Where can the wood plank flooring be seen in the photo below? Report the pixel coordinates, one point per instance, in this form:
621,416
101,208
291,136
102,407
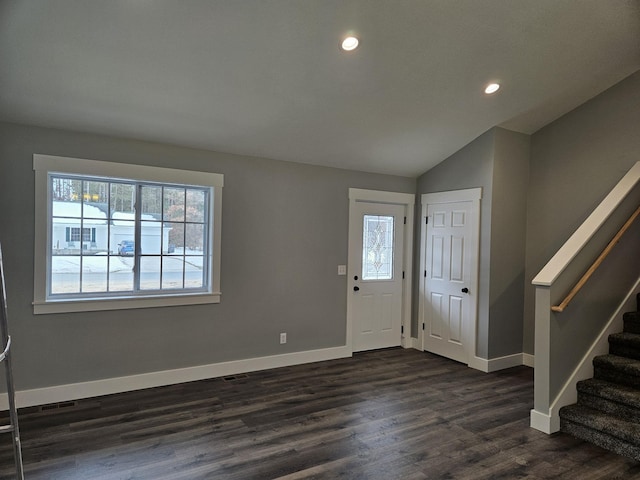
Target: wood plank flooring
387,414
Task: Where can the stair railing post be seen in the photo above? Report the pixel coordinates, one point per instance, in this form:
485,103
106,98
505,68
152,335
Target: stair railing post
540,415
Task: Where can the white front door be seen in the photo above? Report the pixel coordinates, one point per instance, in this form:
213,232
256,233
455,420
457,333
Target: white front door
375,283
449,284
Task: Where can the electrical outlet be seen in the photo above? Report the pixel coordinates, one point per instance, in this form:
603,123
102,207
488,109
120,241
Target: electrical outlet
283,338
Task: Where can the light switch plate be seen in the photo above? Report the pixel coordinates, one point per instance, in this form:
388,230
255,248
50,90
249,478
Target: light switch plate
342,269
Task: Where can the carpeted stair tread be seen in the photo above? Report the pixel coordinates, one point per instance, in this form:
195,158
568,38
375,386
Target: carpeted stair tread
625,344
610,391
603,440
603,423
617,369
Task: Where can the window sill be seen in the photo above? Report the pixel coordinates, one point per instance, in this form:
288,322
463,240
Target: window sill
123,303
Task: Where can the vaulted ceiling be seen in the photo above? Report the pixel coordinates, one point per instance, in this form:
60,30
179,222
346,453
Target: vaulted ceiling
267,77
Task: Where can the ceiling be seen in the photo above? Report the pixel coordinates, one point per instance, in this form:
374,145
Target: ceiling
267,77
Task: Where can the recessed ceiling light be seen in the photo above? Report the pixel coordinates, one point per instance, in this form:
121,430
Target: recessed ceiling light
492,88
350,43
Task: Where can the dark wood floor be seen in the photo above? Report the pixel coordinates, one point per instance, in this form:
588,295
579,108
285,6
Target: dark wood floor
389,414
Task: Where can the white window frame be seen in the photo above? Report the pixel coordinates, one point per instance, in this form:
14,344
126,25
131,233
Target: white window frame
43,165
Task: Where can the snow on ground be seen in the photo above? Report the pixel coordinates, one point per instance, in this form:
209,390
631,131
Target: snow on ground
98,263
91,263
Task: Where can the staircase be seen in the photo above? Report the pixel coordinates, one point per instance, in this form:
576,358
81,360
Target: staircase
608,409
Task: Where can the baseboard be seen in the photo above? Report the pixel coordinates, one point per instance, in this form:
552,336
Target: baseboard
407,342
528,360
500,363
76,391
545,423
493,364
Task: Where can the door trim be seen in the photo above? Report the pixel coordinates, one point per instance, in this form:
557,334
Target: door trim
378,196
472,195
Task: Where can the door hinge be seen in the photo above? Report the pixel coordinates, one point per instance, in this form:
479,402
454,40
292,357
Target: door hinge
403,275
405,220
401,328
425,274
426,220
423,326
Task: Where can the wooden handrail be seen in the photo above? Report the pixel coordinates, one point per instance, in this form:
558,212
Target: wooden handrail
596,264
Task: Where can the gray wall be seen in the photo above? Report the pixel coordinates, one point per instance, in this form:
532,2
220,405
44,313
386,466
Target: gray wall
508,233
575,161
470,167
497,161
284,233
573,331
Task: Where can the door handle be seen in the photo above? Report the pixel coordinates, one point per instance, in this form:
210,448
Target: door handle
465,290
356,288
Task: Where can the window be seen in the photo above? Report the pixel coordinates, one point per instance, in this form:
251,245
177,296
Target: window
73,234
112,236
377,247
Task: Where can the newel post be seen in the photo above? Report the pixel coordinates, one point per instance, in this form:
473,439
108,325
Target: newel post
541,418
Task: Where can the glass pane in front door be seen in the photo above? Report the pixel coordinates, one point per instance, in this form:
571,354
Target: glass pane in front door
377,247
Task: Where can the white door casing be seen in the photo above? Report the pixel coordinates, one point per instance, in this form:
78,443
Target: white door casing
379,307
449,255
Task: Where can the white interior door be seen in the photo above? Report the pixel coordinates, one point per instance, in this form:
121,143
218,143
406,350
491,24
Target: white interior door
449,287
375,270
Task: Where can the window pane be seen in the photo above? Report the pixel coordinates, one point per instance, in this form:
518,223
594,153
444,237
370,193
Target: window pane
65,274
195,205
194,238
174,204
94,273
172,272
377,248
194,274
66,190
94,237
121,241
95,196
151,237
151,201
123,197
120,274
176,237
150,273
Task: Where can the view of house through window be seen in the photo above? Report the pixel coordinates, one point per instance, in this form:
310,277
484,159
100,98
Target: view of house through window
115,236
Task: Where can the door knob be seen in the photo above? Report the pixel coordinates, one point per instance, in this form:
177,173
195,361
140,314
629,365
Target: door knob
465,290
356,288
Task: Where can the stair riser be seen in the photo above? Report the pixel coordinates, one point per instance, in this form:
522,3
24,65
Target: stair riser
632,326
624,351
601,439
616,376
614,408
